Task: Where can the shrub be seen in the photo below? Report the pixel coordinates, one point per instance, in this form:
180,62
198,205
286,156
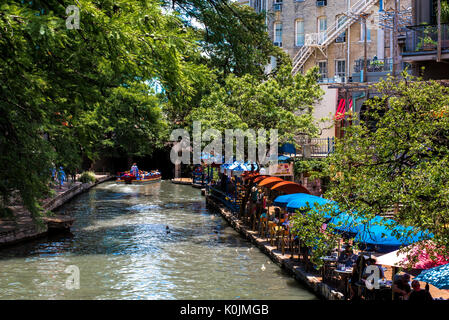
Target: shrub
87,177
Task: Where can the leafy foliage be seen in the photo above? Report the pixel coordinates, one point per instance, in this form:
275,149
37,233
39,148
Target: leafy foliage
87,177
68,93
281,102
234,36
311,166
395,161
308,227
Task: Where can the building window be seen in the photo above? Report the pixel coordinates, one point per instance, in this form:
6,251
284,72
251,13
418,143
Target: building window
362,32
340,22
340,68
322,65
258,5
299,32
278,34
322,28
277,5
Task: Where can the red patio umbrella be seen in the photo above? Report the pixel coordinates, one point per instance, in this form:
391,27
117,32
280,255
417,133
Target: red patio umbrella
270,181
289,187
260,177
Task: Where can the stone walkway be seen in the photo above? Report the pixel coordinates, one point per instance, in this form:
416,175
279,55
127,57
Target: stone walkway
312,281
23,227
182,181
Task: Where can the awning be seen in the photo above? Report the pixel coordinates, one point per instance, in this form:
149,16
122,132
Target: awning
290,187
260,177
341,109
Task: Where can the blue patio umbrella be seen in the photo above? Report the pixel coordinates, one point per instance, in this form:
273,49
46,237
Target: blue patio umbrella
437,276
225,166
282,201
233,165
347,223
248,165
378,235
238,167
283,158
308,200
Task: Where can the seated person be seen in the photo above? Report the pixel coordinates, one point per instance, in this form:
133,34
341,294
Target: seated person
401,287
286,223
346,256
419,294
372,262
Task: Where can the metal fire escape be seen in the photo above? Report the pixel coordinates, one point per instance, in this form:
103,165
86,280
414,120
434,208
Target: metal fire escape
322,40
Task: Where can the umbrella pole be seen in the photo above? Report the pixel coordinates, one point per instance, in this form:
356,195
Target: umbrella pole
395,270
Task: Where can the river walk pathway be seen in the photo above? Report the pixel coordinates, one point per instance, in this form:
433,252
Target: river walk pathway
21,226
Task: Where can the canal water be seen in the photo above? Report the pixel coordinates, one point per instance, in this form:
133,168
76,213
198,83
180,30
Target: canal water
123,250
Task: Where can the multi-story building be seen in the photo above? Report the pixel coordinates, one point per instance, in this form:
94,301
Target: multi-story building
337,36
330,34
427,39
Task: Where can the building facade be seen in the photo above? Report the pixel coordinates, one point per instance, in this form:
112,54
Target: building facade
330,34
426,44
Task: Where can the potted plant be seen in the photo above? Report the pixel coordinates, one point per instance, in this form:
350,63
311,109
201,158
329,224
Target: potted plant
426,42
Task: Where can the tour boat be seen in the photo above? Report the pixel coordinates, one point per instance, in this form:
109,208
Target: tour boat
144,177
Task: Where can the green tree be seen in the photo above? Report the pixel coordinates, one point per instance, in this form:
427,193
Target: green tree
67,93
234,37
396,159
282,101
234,42
307,225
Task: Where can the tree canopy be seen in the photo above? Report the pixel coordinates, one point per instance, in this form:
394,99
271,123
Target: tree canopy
394,162
66,93
130,73
283,102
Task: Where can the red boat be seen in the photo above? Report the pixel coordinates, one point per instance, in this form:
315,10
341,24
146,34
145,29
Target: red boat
143,177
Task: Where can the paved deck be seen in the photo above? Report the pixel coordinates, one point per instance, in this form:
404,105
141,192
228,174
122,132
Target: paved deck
187,181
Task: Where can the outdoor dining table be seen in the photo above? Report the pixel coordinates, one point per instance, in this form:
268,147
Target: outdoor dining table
345,274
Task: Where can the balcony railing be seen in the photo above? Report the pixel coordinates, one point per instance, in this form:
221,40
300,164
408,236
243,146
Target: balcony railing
425,38
374,65
336,79
318,146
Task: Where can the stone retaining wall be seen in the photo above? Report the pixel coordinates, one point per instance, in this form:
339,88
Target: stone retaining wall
26,228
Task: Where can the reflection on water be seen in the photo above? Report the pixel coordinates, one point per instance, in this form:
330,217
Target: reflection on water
121,244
